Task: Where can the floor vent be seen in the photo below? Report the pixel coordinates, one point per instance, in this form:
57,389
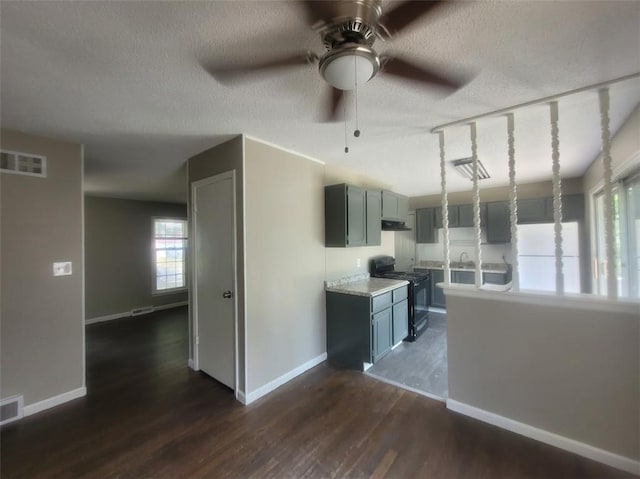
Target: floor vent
23,163
11,409
144,310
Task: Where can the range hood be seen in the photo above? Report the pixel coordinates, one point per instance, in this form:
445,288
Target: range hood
394,226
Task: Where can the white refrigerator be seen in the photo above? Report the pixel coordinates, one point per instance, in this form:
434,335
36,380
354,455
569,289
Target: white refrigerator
537,260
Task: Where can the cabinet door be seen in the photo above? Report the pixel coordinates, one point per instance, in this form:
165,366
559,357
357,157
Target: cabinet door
437,294
400,321
403,208
425,228
465,215
494,278
463,277
498,224
374,219
389,205
572,208
453,217
382,334
356,217
533,210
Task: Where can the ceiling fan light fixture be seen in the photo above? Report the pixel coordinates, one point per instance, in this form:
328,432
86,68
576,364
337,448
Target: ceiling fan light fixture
340,68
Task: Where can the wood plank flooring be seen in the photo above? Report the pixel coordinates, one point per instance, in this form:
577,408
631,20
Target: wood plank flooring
147,415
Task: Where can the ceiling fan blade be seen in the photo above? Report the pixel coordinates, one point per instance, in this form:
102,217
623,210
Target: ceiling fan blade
406,13
333,101
422,74
228,73
318,10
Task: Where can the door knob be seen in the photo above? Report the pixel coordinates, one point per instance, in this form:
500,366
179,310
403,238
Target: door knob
227,294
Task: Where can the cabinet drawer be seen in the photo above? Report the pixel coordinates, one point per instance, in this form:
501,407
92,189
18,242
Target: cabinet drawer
380,302
399,294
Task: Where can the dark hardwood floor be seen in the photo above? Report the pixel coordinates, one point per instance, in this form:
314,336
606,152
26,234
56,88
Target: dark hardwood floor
147,415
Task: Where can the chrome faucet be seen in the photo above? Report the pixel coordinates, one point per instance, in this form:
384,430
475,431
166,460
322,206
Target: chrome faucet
464,254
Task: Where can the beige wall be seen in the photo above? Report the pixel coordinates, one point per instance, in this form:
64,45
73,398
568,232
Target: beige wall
573,371
342,262
525,190
118,259
42,319
227,156
284,262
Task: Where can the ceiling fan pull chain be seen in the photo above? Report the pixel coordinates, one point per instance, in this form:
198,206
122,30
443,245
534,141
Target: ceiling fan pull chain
344,111
356,132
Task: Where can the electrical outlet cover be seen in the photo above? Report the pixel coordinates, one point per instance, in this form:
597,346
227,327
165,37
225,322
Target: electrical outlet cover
62,268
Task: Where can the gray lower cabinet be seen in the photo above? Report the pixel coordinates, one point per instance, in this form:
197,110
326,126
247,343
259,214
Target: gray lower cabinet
463,277
438,299
382,339
363,329
496,278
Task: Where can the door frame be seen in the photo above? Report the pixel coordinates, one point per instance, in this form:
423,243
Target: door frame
194,339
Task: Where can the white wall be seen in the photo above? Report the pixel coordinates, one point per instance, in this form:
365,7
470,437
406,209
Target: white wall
42,328
285,262
565,366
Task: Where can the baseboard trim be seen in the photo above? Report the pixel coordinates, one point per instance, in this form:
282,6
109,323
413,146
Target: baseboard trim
609,458
408,388
54,401
127,314
191,364
276,383
241,397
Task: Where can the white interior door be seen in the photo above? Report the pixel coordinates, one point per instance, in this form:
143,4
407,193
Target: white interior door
214,277
405,246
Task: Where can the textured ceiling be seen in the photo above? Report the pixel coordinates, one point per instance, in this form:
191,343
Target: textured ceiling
124,79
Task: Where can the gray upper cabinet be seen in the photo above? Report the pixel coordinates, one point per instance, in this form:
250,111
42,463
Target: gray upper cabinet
374,217
533,210
465,215
425,226
460,216
498,222
395,207
540,210
351,216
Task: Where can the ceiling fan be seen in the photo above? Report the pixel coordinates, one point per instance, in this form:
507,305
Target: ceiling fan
348,29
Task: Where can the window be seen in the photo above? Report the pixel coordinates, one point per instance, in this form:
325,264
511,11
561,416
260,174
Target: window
169,254
626,222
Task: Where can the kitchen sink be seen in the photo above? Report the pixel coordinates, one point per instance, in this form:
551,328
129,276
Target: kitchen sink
462,265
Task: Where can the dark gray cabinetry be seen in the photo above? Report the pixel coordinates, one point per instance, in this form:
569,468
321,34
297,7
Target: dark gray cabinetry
465,215
395,207
374,212
540,210
496,278
425,226
498,222
437,294
463,277
352,216
362,329
453,217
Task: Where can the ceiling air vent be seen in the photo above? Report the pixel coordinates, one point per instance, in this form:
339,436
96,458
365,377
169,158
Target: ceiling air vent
465,168
23,163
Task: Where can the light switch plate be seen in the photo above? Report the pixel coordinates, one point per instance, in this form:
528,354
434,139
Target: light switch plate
62,268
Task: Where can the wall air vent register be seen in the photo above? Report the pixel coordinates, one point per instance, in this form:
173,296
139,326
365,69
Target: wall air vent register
23,163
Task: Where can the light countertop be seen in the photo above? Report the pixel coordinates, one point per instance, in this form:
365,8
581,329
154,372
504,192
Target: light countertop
486,267
368,287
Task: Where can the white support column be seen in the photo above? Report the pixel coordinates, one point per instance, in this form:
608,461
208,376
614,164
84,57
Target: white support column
612,284
557,196
513,203
445,210
476,205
